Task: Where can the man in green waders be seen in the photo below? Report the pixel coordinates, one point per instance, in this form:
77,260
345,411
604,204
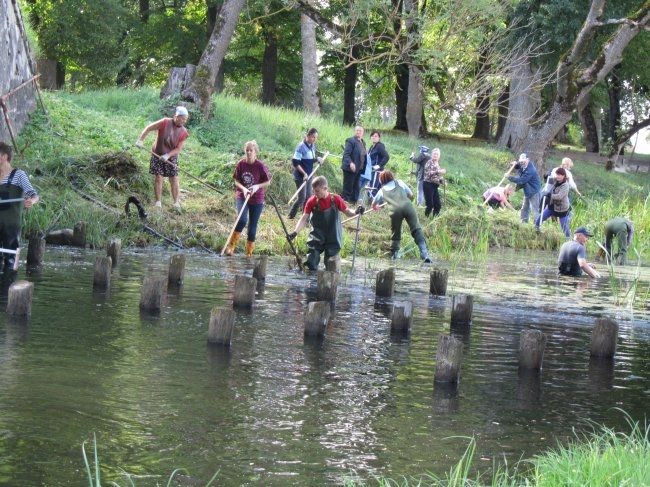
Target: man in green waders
398,196
622,229
18,193
322,211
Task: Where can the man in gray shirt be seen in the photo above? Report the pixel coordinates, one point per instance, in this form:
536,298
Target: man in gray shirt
572,260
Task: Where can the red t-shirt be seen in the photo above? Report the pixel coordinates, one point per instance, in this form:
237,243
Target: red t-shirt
248,175
325,203
169,137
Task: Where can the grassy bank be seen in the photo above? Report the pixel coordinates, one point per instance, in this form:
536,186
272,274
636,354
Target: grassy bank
90,140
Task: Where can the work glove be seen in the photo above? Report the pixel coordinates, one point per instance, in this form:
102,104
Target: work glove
292,236
139,144
319,160
165,157
360,209
376,167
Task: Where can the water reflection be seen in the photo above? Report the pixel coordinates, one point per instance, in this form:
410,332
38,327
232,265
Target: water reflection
277,409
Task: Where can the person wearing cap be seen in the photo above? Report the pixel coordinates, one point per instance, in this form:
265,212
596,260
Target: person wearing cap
572,260
19,193
353,165
621,229
170,138
497,197
397,196
420,161
559,205
528,179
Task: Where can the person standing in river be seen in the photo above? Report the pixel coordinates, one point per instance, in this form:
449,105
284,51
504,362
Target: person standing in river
352,165
251,176
621,229
303,161
398,196
572,260
14,185
322,211
170,139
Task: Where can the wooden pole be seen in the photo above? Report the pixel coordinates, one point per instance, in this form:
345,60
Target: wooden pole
19,300
461,309
438,282
448,359
333,264
295,195
327,285
531,349
176,270
241,212
79,234
35,251
259,271
102,273
385,285
222,323
244,293
401,317
603,338
152,293
317,317
114,249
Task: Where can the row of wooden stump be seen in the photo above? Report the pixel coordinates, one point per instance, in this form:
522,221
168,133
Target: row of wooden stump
449,351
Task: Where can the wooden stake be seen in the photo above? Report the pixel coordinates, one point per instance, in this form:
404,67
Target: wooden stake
19,300
448,359
222,322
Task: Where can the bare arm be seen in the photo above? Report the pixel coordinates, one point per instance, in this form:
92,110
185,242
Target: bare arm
584,265
301,223
154,126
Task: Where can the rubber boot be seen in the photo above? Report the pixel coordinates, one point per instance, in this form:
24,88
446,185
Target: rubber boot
250,246
424,252
394,249
232,243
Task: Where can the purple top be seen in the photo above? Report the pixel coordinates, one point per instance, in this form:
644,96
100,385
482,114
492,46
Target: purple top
248,175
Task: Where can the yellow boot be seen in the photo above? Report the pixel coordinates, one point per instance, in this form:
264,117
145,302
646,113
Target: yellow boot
232,243
249,248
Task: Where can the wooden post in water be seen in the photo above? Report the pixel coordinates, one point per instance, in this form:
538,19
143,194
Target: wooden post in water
244,293
531,349
259,271
35,251
19,300
102,273
461,309
79,234
333,264
385,285
114,249
438,282
328,283
176,270
401,317
604,337
317,317
222,322
448,358
152,293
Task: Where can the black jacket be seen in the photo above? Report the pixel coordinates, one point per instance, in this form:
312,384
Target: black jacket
355,151
378,155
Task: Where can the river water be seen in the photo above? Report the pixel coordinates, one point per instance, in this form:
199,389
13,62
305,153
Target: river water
276,410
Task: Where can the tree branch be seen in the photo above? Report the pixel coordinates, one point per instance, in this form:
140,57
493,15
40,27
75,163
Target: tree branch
313,13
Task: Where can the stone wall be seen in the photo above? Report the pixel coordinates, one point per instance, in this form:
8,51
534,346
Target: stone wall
17,66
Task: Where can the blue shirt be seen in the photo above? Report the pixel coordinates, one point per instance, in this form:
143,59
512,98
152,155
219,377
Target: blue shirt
304,156
527,179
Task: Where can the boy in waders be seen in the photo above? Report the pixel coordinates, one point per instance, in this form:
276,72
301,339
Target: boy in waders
398,196
322,210
18,193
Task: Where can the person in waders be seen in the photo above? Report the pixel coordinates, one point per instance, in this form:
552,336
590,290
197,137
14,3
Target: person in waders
398,196
621,229
572,260
18,193
322,211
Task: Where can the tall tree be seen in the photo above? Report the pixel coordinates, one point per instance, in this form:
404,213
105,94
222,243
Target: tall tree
310,97
269,67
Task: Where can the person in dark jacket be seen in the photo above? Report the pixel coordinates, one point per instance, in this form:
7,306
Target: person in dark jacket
420,161
528,180
376,161
353,164
303,161
621,229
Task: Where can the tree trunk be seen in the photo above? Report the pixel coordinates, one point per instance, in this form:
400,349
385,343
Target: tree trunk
502,107
619,142
202,87
523,103
482,125
614,112
414,106
269,69
144,10
310,98
401,96
349,88
590,133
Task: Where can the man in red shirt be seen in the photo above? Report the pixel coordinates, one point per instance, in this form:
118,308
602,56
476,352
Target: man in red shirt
170,138
322,210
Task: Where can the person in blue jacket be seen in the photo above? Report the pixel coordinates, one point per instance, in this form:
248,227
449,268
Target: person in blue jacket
528,180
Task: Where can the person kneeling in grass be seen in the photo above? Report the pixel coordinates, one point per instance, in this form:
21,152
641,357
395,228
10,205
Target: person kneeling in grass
322,211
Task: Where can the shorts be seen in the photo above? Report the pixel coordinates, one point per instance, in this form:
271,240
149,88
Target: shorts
161,168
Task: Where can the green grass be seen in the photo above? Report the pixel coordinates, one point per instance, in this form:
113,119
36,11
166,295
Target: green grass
601,458
86,127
